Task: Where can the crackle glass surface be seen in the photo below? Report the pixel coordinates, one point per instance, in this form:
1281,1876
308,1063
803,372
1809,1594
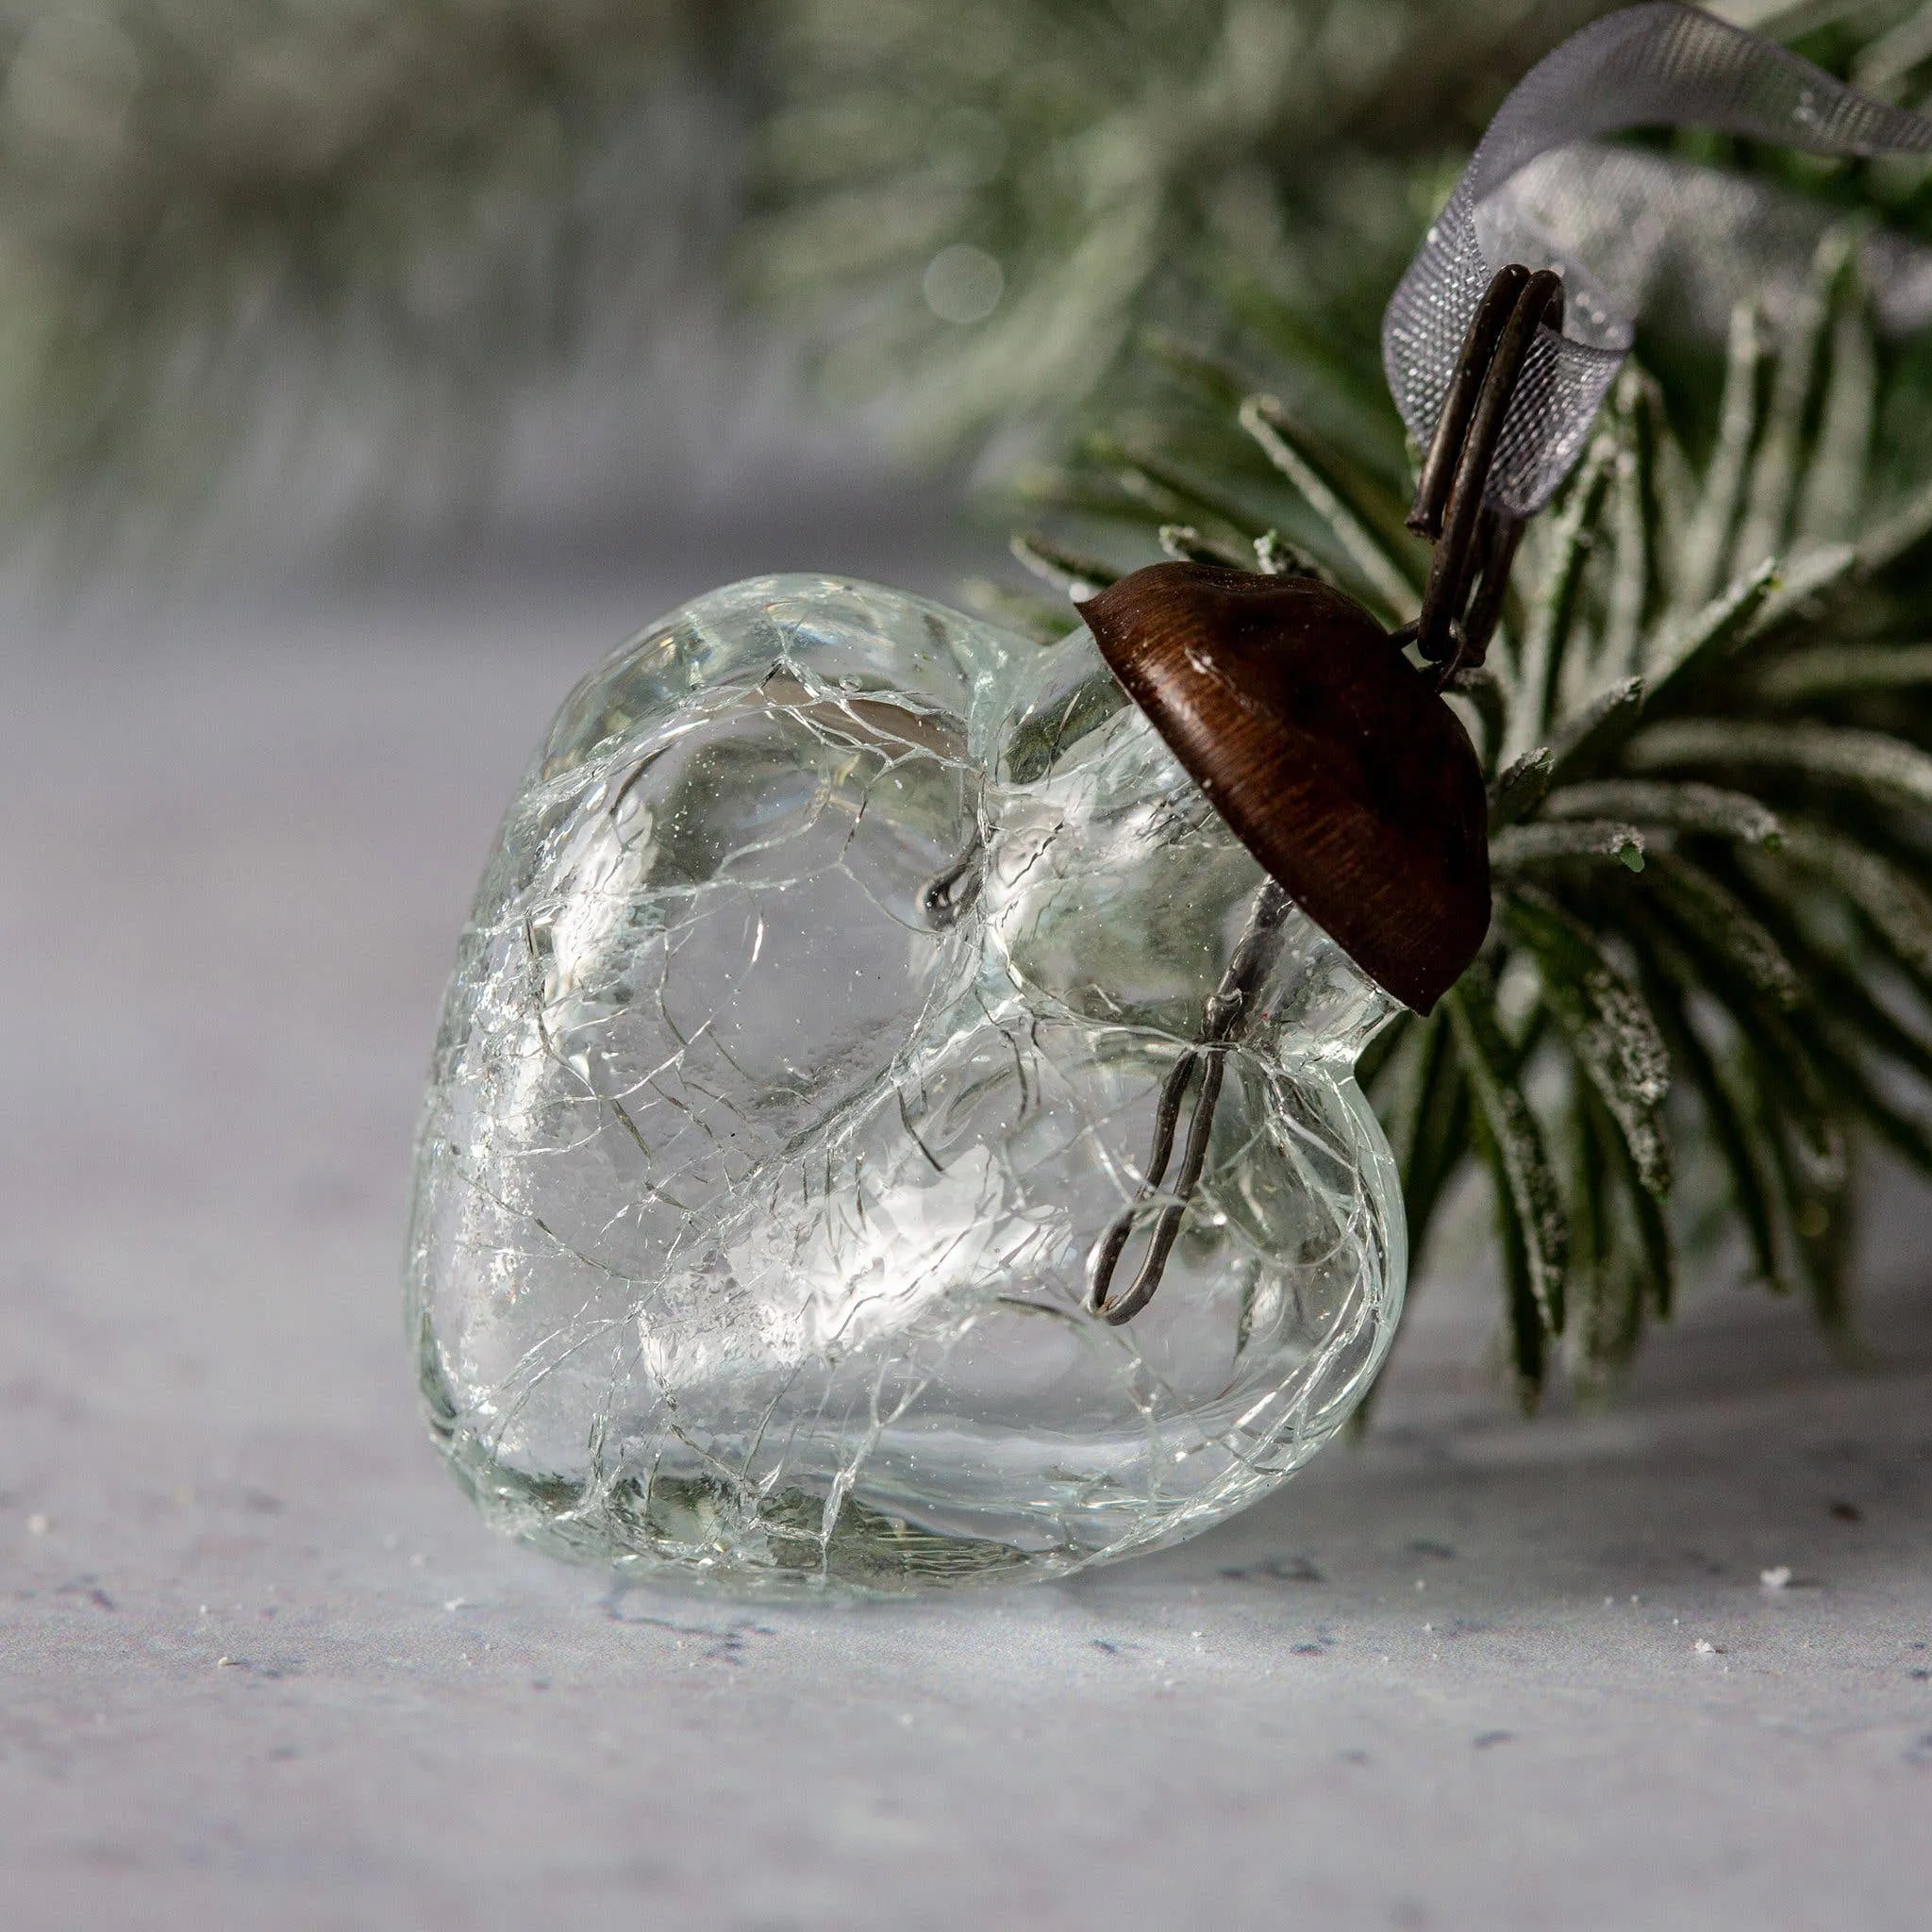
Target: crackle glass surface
805,1043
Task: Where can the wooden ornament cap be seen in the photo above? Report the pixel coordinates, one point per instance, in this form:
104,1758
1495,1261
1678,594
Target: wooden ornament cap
1329,755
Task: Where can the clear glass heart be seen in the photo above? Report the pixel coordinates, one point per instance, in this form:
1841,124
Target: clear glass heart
804,1043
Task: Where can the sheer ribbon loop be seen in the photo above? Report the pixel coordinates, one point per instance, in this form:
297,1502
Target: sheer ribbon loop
1524,199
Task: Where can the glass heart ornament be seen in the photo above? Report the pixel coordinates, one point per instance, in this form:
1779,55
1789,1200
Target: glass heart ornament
894,1121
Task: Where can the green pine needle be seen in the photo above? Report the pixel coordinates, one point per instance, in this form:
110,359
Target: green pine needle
1708,722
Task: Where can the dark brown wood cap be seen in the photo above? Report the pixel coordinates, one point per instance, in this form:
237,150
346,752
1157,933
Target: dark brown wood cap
1329,755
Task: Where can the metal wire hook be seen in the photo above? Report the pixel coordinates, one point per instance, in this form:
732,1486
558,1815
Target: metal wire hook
1229,1009
1476,545
947,894
1470,571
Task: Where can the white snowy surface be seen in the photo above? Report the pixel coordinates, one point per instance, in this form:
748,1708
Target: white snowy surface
259,1663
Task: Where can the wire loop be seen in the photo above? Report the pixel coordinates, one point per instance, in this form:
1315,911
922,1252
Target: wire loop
1478,542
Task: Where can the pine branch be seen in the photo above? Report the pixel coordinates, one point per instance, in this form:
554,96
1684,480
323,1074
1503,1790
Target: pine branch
1709,715
219,216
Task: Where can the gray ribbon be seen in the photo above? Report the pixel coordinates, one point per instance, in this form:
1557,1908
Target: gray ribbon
1632,234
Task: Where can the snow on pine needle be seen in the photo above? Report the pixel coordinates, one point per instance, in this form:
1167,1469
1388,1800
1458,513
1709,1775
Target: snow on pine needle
1705,730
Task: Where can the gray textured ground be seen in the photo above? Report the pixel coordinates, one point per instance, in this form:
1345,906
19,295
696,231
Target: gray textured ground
259,1663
